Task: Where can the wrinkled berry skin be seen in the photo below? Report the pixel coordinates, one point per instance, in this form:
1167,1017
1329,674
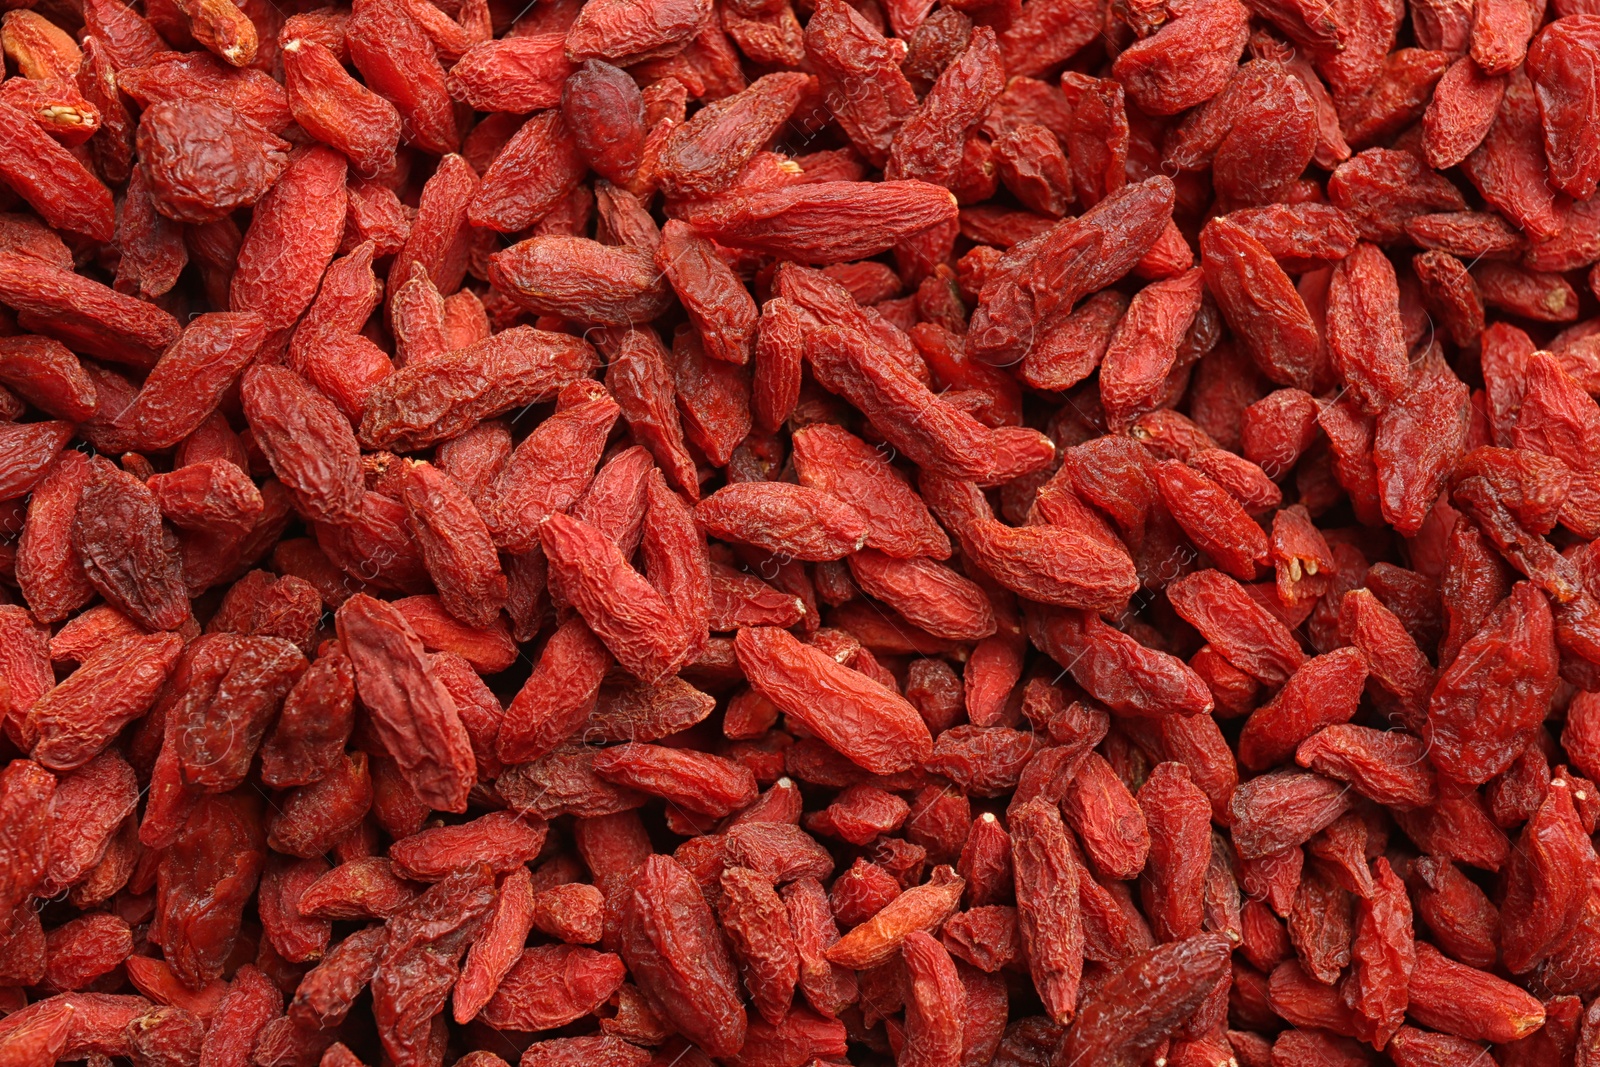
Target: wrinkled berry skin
603,108
782,534
204,161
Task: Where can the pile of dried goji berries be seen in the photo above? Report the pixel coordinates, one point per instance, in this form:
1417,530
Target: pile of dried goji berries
651,533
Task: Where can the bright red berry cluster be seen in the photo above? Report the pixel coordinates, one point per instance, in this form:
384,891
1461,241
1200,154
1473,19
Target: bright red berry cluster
651,533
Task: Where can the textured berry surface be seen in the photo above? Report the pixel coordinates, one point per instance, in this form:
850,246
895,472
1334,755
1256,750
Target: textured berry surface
789,533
